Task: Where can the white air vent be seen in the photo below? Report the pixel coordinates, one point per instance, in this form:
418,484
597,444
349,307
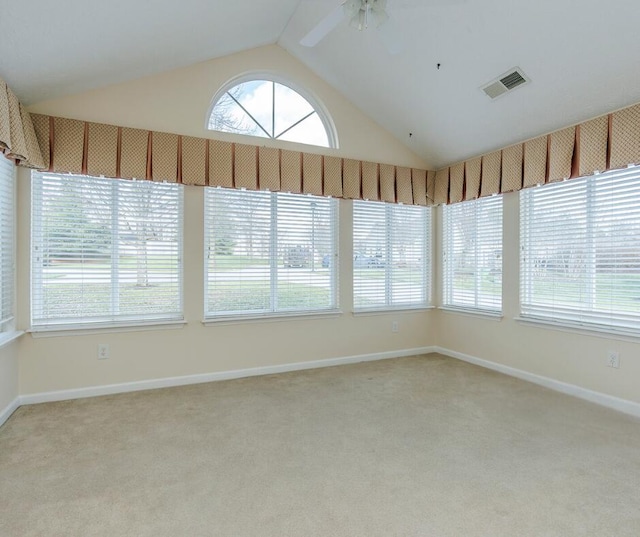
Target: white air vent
506,82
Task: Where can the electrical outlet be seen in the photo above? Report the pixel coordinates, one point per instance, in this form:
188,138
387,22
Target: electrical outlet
103,351
394,326
613,359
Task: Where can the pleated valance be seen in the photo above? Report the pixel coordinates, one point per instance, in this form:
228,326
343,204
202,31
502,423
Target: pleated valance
604,143
80,147
74,146
17,137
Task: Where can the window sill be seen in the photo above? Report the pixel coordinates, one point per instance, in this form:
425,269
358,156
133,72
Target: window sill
587,330
278,317
8,337
490,315
86,330
391,311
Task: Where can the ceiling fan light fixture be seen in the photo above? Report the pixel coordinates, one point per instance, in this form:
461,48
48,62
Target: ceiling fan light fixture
361,13
379,17
359,20
351,8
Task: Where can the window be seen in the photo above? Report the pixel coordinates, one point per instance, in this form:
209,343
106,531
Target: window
472,254
580,246
271,110
7,237
392,256
105,251
269,253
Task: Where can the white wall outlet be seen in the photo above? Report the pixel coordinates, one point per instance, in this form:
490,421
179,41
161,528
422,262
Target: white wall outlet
394,326
613,359
103,351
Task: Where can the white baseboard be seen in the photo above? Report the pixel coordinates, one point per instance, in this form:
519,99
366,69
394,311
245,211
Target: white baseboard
93,391
621,405
5,413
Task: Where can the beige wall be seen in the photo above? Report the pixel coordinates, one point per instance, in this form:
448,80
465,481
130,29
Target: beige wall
571,357
9,381
179,102
70,362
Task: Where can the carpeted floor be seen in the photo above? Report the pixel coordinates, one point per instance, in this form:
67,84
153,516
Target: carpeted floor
422,446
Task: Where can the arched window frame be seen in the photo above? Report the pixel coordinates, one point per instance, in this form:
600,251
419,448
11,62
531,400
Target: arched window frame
316,104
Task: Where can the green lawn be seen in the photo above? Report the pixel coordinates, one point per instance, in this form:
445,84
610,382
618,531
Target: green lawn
399,275
256,296
62,299
612,291
490,283
226,263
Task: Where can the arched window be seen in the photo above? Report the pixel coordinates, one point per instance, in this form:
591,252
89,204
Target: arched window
271,109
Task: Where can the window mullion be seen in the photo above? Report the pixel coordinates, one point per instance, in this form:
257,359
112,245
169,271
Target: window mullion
273,109
273,253
37,240
426,258
388,265
590,280
333,260
115,250
526,263
476,257
446,256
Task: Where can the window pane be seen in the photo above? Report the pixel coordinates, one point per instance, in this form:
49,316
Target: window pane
472,251
256,97
228,116
309,131
7,236
238,247
306,238
291,107
580,243
271,110
269,253
105,250
392,255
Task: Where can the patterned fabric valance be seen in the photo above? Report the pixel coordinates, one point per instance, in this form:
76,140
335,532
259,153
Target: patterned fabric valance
601,144
17,137
73,146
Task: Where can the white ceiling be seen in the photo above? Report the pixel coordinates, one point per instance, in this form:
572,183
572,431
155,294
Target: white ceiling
583,58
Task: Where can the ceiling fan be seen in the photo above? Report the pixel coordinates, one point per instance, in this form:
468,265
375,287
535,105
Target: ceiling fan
360,13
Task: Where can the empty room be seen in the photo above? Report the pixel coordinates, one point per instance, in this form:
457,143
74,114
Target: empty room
358,268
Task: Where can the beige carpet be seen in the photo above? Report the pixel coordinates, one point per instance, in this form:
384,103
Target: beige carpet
422,446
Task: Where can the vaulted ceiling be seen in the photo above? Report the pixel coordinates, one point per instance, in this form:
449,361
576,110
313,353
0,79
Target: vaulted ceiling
583,58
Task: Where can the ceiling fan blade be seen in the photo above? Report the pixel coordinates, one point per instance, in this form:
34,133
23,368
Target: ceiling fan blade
325,26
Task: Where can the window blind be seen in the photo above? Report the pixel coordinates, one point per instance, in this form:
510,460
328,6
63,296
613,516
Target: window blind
392,256
105,251
7,235
472,254
269,253
580,251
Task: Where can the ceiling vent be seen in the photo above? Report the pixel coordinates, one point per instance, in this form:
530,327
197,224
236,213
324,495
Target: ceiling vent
505,83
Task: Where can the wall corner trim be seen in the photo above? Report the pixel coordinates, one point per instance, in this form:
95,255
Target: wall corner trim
6,412
110,389
621,405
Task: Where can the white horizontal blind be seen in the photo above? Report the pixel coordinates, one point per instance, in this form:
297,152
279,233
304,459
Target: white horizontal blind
472,254
580,243
7,235
392,256
269,253
105,251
